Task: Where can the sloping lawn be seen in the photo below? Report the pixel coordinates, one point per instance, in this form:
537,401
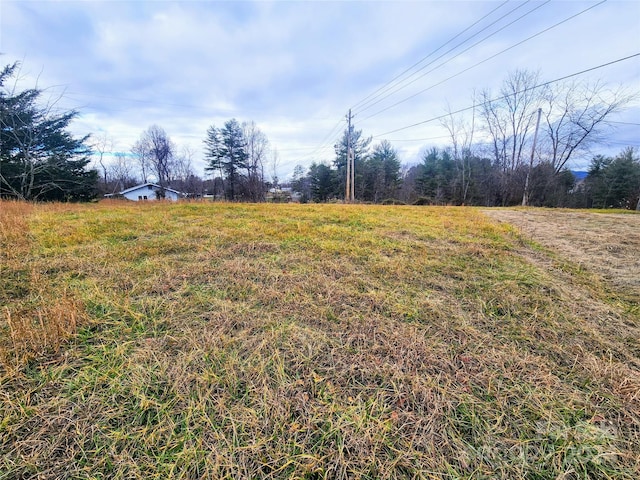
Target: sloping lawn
307,341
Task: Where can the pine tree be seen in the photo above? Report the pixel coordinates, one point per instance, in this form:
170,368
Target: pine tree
39,158
226,151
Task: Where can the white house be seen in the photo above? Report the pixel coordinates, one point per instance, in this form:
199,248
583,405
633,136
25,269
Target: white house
150,191
283,194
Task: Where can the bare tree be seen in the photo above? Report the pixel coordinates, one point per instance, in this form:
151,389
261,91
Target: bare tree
103,145
156,152
121,172
185,179
274,164
183,166
257,147
141,154
461,134
575,116
509,118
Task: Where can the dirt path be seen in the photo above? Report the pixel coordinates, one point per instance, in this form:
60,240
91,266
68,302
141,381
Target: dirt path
606,244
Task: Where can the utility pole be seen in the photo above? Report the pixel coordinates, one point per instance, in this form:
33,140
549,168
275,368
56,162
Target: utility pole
525,195
349,190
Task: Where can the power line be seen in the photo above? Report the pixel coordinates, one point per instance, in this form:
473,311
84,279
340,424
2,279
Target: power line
440,137
383,87
323,143
402,87
514,93
483,61
631,143
625,123
292,149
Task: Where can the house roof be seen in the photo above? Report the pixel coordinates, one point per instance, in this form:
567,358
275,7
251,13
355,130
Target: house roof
145,185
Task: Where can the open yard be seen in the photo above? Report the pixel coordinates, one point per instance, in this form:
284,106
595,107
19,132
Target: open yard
191,341
607,244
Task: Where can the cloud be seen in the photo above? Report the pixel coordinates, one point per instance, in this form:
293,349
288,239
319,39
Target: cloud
295,67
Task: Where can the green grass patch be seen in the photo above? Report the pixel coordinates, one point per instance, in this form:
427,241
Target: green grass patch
311,341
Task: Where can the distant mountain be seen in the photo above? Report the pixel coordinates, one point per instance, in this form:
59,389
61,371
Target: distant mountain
579,174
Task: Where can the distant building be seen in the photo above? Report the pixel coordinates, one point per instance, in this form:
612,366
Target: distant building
283,195
151,191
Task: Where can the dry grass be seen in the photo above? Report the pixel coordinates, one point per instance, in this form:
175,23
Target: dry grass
604,243
292,341
38,316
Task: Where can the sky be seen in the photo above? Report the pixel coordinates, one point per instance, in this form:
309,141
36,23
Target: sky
296,68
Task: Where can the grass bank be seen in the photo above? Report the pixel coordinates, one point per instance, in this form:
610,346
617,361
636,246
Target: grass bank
305,341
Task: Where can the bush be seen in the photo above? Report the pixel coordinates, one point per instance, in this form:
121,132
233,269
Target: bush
392,201
424,201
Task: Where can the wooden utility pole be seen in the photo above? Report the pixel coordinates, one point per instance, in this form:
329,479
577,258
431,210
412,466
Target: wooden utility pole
349,195
525,195
353,175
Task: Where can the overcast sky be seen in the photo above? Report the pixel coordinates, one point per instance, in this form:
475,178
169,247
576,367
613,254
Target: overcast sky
295,68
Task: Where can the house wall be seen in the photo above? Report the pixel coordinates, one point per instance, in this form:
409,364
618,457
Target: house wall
150,193
171,196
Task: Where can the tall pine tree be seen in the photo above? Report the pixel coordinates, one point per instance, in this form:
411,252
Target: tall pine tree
226,151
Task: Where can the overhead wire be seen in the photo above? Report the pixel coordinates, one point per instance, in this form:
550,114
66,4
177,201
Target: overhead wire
383,87
483,61
401,86
439,137
439,117
372,96
387,89
625,123
323,143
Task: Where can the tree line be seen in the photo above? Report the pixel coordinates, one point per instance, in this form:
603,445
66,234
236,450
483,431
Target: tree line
441,178
513,149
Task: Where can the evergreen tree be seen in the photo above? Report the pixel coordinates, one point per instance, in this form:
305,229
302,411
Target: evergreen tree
360,148
436,177
39,158
615,182
321,182
300,183
381,171
226,151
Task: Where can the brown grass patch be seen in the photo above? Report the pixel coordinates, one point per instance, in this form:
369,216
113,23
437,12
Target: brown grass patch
36,317
607,244
319,342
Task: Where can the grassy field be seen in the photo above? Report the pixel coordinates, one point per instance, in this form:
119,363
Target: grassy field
310,341
606,243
